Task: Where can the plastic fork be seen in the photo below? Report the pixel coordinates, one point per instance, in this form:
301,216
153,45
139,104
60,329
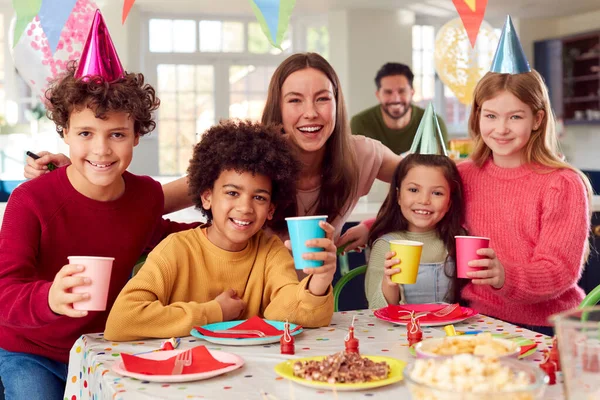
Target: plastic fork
242,332
439,313
183,359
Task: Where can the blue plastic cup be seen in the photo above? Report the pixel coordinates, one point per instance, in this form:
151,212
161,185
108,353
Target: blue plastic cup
302,229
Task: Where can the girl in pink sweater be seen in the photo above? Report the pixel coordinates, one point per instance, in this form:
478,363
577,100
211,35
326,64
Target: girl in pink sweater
522,195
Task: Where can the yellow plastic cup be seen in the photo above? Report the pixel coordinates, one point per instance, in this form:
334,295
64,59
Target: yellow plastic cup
409,254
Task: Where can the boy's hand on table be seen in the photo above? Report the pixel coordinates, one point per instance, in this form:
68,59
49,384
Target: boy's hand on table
231,305
60,298
322,276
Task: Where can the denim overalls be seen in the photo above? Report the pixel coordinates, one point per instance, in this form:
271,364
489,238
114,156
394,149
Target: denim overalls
432,284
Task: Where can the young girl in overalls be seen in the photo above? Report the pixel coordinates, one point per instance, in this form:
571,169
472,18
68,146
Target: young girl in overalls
424,204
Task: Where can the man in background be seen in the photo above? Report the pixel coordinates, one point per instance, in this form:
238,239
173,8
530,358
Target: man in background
394,121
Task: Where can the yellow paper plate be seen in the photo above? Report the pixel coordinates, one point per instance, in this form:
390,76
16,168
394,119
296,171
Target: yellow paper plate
286,370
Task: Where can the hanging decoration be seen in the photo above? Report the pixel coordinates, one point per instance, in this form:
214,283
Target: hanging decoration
471,13
127,4
274,18
26,10
53,15
458,64
32,52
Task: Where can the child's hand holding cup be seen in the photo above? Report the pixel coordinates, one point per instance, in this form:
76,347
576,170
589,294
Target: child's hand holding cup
302,229
409,254
98,271
466,250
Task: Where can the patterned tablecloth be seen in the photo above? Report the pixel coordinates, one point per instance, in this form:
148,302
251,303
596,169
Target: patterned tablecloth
90,375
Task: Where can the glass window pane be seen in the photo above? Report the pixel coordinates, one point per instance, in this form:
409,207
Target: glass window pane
184,36
256,105
417,86
428,87
166,77
204,78
428,66
168,107
185,78
238,105
257,41
416,37
233,36
161,35
168,132
428,37
205,112
185,106
237,75
257,80
417,62
210,36
317,40
185,155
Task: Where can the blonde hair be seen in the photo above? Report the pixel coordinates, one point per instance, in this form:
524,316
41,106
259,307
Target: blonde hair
542,149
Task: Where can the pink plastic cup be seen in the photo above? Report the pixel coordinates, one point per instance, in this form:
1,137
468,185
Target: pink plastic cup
98,269
466,250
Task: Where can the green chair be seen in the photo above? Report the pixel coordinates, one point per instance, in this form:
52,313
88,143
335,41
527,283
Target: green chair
343,259
139,263
337,289
591,299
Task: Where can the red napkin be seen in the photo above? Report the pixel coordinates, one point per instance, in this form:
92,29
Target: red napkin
255,324
397,311
202,361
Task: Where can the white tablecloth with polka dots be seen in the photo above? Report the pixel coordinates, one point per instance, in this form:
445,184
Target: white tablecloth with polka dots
90,375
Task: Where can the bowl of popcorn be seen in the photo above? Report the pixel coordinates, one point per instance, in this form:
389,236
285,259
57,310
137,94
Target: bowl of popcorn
484,345
467,377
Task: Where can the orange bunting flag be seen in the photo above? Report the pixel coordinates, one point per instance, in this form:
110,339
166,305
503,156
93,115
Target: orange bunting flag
471,13
127,4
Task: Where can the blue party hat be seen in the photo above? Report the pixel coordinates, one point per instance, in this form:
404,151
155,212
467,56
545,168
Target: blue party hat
429,138
509,57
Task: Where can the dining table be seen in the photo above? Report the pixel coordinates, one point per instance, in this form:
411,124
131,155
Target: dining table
91,375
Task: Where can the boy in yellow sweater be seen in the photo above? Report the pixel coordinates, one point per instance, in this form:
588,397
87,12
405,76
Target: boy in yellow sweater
228,268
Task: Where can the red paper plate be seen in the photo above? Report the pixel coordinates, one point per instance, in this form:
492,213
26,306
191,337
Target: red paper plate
383,314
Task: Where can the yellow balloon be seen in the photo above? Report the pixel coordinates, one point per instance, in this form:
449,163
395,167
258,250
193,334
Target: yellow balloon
459,65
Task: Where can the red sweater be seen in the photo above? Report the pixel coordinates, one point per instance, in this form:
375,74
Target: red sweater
45,221
538,224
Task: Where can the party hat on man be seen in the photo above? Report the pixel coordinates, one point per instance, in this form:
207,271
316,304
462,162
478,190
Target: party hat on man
509,57
99,57
429,138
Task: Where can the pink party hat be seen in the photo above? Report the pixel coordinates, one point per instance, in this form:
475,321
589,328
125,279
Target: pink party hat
99,57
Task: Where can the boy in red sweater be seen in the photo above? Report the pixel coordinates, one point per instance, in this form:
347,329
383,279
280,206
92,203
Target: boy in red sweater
92,207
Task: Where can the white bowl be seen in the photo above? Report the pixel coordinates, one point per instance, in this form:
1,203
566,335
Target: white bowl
536,385
424,348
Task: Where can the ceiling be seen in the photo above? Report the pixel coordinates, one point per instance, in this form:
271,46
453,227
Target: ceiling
496,9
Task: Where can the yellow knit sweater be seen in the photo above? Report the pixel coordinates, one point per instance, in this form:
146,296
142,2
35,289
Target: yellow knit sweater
176,288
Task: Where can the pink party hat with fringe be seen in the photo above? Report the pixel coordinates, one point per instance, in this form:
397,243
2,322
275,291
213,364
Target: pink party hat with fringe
99,56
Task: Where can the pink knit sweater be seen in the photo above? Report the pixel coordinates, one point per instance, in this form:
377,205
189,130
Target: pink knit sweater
538,225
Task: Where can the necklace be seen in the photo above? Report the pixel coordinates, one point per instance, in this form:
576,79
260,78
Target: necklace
304,207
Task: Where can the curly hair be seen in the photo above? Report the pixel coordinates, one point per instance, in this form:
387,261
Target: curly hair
245,146
128,94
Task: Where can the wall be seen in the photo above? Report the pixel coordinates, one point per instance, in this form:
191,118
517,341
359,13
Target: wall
579,142
362,40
